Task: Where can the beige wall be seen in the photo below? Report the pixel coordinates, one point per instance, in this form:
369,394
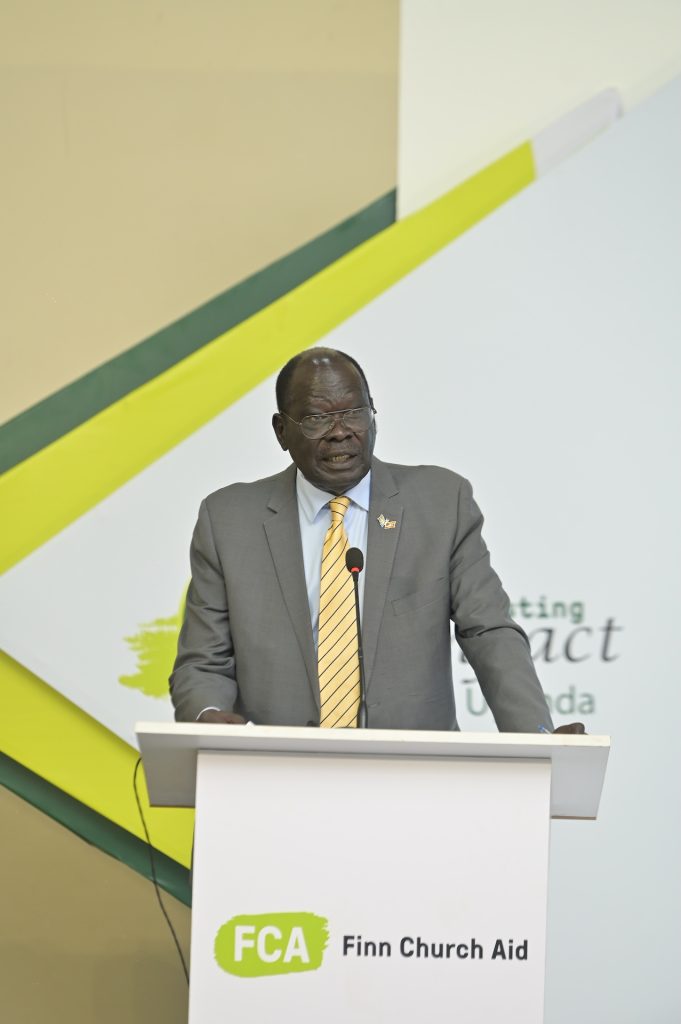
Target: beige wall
82,938
156,153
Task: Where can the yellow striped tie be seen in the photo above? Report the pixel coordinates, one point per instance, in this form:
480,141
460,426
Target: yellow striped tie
337,654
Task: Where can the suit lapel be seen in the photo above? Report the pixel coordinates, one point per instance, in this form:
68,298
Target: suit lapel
381,548
283,536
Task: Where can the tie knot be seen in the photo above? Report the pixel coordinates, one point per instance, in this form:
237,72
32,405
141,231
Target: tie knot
339,507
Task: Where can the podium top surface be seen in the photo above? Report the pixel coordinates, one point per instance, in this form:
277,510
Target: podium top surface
170,751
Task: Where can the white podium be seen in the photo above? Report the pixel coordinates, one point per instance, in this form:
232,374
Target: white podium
369,876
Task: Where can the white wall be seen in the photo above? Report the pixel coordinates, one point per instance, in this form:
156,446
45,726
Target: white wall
478,77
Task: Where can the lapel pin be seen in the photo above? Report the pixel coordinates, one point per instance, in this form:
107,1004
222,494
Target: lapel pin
386,524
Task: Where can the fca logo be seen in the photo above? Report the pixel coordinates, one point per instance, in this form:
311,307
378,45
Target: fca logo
254,945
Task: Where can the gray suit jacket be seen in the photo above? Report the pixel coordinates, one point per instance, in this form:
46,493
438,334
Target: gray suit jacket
246,643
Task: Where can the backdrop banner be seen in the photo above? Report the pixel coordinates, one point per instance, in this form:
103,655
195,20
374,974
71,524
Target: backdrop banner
538,355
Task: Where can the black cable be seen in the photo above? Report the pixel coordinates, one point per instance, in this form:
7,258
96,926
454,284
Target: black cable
153,870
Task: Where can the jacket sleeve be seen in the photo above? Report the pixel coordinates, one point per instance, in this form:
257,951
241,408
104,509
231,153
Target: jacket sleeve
495,646
205,669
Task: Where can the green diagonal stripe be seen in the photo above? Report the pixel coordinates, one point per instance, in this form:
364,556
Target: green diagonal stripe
83,466
94,828
66,409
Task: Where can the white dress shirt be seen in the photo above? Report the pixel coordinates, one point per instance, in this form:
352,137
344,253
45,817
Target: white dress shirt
315,519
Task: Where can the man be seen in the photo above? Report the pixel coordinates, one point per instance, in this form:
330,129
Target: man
269,633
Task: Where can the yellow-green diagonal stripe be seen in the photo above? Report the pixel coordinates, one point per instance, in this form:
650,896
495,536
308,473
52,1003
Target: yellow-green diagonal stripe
87,464
45,732
83,398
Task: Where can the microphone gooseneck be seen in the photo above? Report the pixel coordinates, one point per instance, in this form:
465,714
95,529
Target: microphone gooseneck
354,560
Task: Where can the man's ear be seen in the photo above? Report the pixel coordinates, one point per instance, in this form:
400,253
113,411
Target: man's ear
279,428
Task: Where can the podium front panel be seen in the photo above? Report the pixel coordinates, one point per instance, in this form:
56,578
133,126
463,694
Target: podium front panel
368,889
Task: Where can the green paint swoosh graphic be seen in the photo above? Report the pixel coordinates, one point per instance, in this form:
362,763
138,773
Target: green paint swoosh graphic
155,646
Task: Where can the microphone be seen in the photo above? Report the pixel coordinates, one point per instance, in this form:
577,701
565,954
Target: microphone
354,560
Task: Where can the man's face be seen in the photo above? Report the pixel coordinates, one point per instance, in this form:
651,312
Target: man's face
339,459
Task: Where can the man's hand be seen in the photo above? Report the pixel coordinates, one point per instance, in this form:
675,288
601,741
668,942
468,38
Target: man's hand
573,727
213,717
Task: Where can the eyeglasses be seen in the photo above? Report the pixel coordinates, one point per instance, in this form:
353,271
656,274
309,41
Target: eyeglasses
314,427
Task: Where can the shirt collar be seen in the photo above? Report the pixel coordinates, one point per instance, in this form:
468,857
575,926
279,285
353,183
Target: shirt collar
312,500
